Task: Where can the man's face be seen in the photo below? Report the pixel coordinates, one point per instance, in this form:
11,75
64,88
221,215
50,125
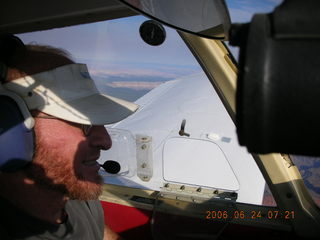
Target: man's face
65,159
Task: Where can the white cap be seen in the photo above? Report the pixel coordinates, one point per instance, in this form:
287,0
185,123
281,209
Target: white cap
69,93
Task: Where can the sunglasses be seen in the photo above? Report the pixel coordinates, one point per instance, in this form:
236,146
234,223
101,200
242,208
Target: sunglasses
86,129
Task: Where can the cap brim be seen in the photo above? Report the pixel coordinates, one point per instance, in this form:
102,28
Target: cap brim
96,109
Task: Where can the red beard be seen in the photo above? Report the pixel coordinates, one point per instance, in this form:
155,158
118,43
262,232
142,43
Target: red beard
51,170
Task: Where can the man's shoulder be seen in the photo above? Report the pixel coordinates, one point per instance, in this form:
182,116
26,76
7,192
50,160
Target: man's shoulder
88,216
84,217
92,205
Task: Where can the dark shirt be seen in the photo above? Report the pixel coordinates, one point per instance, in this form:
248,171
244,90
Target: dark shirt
85,221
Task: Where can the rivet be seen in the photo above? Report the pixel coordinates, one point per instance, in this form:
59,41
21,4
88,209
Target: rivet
145,177
143,146
144,165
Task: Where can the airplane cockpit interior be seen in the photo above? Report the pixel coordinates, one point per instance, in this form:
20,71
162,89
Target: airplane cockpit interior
224,140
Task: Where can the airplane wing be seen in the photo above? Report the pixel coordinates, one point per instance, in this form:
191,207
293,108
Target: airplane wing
205,156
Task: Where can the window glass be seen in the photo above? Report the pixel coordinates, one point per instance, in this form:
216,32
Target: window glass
120,62
309,168
241,11
268,199
123,65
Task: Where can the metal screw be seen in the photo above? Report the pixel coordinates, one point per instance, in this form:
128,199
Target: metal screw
144,165
143,146
145,177
182,187
216,192
199,189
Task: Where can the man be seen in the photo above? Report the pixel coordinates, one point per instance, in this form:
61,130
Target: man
55,197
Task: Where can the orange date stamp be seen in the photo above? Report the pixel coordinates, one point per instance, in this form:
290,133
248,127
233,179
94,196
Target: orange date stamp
254,214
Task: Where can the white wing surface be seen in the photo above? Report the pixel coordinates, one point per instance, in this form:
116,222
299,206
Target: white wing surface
151,152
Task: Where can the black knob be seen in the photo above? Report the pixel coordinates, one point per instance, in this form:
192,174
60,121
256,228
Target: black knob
111,166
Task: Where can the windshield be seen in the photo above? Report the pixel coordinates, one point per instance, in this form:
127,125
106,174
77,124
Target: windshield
123,65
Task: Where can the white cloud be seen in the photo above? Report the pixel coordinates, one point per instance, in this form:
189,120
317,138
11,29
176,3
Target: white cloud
131,72
140,69
134,85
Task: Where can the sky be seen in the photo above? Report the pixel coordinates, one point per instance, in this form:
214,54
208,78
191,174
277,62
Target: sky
115,49
243,10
